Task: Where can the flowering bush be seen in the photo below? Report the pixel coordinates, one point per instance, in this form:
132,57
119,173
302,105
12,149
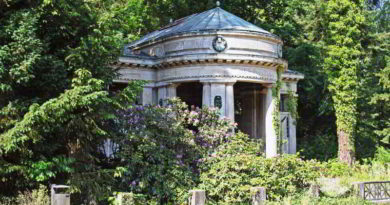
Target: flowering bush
160,147
239,165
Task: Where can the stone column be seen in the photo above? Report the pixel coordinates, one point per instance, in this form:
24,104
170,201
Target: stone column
270,134
171,90
197,197
161,94
229,110
147,96
218,91
206,96
293,136
259,195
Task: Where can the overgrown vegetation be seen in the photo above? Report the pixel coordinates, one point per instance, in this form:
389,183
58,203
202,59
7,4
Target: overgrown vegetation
276,124
240,164
38,196
163,146
56,112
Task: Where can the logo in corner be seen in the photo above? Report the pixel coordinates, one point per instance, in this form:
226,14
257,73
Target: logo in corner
219,44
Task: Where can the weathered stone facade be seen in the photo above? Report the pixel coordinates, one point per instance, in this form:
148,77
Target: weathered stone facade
234,61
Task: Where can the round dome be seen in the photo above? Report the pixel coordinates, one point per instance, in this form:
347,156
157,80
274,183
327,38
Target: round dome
215,19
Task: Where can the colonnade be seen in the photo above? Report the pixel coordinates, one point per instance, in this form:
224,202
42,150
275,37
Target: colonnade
220,94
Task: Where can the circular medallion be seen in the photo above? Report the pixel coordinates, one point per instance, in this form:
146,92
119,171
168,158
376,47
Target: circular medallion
219,44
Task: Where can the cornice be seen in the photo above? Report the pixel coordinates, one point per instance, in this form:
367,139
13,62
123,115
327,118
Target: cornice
196,59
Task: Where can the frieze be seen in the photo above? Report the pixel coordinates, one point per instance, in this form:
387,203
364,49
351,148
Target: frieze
172,46
195,43
157,51
249,73
262,78
254,44
140,74
133,74
186,44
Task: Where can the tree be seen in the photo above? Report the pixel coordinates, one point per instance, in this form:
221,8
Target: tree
50,122
381,61
339,31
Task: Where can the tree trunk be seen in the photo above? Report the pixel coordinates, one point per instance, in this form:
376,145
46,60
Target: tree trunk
346,147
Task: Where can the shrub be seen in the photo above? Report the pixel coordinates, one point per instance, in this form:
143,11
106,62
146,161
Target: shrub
334,168
35,197
382,155
159,148
322,147
7,200
127,199
237,166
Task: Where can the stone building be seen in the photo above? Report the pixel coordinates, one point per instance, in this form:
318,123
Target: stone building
215,59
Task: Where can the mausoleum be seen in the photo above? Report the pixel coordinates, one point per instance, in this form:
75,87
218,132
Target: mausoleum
216,59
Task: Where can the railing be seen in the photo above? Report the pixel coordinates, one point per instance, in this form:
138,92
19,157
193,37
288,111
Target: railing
374,191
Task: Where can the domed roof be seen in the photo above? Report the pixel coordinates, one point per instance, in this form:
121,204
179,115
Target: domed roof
215,19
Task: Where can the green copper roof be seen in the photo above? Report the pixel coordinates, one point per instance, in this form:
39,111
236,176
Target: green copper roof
215,19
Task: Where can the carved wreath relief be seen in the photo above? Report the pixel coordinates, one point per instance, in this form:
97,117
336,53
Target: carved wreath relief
218,101
219,44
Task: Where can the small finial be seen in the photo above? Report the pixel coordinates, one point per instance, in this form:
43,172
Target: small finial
170,20
218,4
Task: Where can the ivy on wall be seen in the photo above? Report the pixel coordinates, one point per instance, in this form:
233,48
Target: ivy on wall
292,104
276,113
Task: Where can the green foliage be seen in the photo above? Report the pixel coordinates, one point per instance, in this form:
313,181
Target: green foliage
128,199
292,105
70,128
83,97
370,170
322,147
38,196
382,99
238,165
343,51
382,155
276,112
335,168
160,148
51,127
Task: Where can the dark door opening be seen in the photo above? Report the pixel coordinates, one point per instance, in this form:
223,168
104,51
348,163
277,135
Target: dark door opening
248,106
190,93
